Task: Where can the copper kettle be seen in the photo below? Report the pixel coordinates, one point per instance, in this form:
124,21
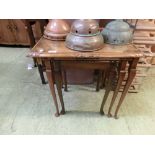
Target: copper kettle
84,36
56,29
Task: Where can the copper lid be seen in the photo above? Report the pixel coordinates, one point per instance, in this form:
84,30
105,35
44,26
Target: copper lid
56,29
84,27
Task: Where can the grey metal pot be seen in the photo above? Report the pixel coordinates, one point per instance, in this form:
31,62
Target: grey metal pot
84,36
117,32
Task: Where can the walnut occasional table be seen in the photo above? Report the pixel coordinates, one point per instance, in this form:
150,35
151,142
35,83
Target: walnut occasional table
56,56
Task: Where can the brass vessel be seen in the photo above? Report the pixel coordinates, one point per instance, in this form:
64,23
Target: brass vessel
84,36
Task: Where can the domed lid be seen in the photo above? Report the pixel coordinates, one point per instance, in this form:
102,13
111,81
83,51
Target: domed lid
85,27
57,28
118,25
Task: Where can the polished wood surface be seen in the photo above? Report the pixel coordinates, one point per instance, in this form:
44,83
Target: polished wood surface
13,32
21,31
110,58
6,32
57,49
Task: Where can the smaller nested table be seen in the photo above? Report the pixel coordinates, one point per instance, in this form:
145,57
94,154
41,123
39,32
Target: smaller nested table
56,56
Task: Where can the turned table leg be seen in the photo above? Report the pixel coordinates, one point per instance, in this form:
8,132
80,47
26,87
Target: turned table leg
58,80
108,86
49,73
121,77
131,75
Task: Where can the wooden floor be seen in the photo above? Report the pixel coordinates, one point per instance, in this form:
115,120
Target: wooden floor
26,106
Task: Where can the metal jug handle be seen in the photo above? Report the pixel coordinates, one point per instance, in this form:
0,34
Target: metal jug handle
132,26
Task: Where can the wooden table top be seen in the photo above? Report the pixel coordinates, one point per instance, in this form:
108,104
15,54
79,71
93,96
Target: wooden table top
56,49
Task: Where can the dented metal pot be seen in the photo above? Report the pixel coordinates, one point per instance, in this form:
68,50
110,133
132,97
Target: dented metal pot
117,32
84,36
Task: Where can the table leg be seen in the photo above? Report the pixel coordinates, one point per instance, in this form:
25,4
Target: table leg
119,83
103,79
108,86
58,80
40,69
99,75
49,73
65,80
131,75
35,62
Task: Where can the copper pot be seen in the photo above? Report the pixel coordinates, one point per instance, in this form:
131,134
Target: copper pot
84,36
117,32
56,29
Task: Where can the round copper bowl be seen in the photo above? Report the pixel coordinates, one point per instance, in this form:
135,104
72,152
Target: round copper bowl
56,29
84,36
